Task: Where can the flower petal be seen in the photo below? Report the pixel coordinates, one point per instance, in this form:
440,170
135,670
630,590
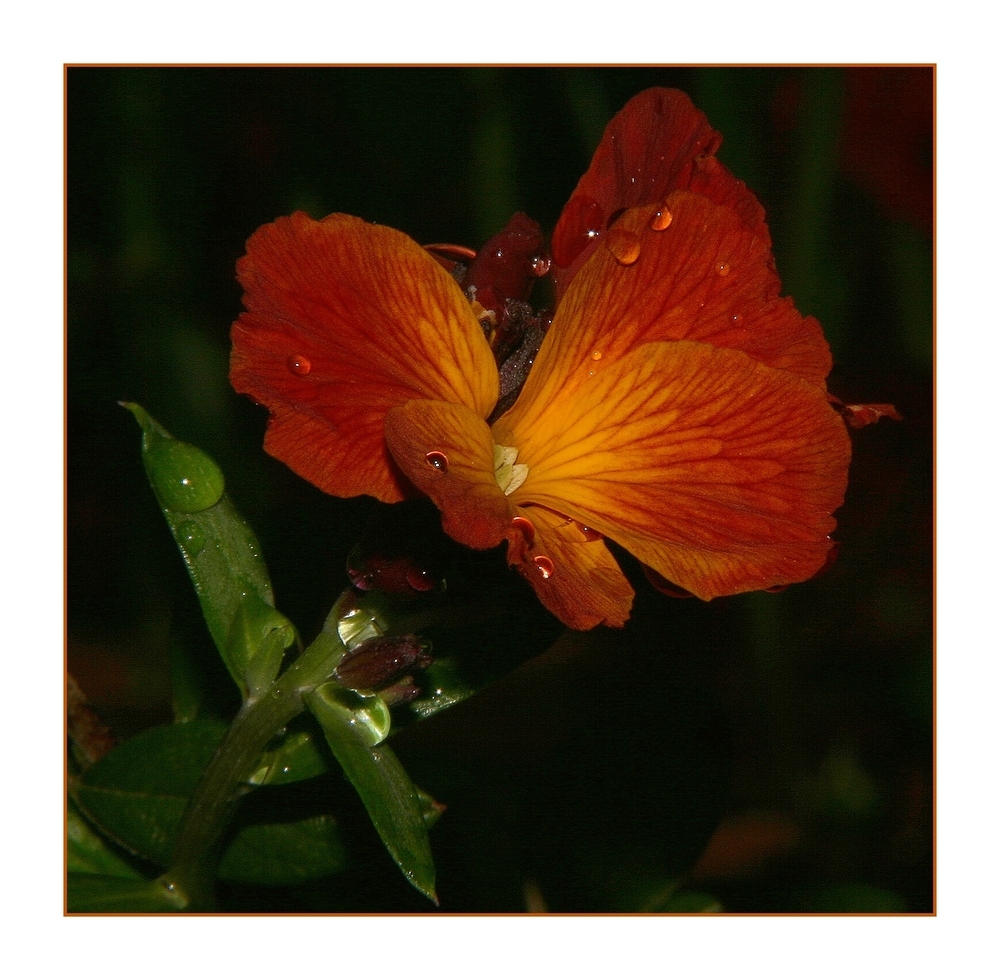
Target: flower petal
447,452
704,277
720,473
345,320
573,573
658,143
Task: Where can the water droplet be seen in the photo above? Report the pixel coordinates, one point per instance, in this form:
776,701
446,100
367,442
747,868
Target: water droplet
191,537
595,355
589,533
737,319
661,219
526,528
579,225
421,579
438,460
722,268
544,565
624,245
366,714
540,265
186,479
299,365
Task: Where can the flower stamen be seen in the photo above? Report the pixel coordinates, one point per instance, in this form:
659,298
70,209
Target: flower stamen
509,473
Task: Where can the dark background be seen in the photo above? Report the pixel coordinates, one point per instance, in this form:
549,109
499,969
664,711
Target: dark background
796,727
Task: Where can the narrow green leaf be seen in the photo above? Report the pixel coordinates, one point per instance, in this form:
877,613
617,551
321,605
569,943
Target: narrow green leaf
392,801
219,548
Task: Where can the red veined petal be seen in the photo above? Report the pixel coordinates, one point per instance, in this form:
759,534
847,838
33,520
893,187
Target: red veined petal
345,320
658,143
718,472
704,277
573,573
447,452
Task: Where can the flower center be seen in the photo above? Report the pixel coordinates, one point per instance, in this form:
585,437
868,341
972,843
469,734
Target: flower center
510,474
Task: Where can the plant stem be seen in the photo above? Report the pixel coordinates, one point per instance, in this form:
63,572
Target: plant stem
217,795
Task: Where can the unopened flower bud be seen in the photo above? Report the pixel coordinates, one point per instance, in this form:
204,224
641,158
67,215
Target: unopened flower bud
376,663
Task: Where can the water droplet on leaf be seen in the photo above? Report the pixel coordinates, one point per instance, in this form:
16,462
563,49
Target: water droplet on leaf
624,245
185,478
299,365
438,460
366,714
544,565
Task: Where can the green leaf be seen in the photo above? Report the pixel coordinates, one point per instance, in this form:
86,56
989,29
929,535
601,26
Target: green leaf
395,805
106,893
300,754
285,853
88,853
219,548
137,794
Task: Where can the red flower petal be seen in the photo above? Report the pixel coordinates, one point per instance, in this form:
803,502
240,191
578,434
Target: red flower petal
658,143
716,471
573,573
448,453
344,321
704,277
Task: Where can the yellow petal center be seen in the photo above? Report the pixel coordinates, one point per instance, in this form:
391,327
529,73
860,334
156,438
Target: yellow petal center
509,473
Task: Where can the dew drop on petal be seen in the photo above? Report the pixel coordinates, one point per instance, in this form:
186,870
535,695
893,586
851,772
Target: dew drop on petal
438,460
596,355
590,534
661,219
540,265
722,268
544,565
299,365
624,245
526,528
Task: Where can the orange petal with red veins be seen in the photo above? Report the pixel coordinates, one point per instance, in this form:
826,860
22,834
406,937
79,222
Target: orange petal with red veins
656,144
344,321
718,472
704,277
573,573
447,452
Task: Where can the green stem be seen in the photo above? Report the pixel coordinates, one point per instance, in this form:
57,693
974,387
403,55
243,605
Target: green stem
217,795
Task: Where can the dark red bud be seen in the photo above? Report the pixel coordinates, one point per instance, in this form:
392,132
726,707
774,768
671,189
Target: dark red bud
376,663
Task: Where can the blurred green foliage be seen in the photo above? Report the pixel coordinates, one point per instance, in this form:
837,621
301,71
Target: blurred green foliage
593,778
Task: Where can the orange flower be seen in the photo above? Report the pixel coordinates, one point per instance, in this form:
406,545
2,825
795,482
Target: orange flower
677,405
